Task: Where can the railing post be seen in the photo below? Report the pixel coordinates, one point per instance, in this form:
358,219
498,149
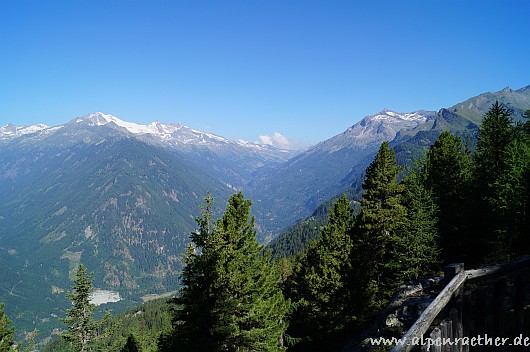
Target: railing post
436,335
446,327
467,317
451,271
480,312
426,318
455,315
499,301
518,303
454,309
472,307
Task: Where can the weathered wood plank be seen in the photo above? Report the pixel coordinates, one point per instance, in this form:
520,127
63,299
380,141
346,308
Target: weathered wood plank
436,335
455,288
499,304
518,304
451,271
480,313
499,269
421,325
447,334
456,317
467,317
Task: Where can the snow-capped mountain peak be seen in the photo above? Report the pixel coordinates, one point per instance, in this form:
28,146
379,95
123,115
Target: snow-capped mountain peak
173,135
155,128
396,117
385,125
96,119
374,129
101,119
12,131
97,127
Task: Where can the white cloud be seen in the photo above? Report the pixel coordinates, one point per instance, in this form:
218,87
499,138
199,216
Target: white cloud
277,140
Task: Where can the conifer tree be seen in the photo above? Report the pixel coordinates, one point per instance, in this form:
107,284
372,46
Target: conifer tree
6,332
328,260
193,306
418,245
376,230
230,299
509,201
83,330
448,173
321,283
495,134
130,345
498,155
250,313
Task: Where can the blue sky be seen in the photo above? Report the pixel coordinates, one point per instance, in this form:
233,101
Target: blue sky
304,69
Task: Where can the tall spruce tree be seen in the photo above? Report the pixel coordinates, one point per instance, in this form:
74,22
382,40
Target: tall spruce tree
498,152
230,299
6,332
251,310
418,246
321,283
82,330
130,345
448,173
509,201
193,306
496,132
377,226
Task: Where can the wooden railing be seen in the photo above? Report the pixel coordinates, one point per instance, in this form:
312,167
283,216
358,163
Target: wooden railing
474,303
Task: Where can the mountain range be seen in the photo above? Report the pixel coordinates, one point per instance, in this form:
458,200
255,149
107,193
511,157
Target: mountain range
121,197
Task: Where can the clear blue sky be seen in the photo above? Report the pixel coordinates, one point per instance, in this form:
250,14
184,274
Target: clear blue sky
241,69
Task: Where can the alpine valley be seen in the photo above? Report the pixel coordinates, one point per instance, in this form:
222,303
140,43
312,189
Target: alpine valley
121,198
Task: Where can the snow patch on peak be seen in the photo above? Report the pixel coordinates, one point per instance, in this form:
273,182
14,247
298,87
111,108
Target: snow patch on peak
9,129
34,128
169,135
390,116
12,131
388,112
97,119
102,119
209,135
374,129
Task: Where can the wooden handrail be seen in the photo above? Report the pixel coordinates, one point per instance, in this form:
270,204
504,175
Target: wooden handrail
426,318
420,327
499,269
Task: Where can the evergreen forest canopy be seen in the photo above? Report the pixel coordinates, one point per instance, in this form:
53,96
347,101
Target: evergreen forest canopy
410,222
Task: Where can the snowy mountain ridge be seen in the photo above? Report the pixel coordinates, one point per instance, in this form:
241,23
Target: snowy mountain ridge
169,132
386,124
13,131
374,129
164,134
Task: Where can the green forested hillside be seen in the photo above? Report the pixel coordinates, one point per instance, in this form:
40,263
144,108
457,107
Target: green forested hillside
296,238
120,207
145,323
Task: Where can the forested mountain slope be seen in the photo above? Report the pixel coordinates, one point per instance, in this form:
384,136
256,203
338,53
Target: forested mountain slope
121,198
